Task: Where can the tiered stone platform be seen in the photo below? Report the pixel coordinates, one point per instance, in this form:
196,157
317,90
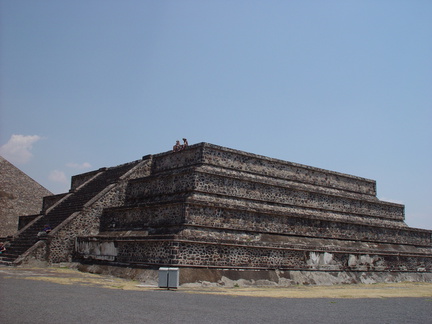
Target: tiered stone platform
210,207
68,215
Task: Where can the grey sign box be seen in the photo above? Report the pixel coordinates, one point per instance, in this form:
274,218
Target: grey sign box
168,277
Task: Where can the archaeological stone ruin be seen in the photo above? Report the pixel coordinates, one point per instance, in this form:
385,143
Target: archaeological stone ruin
222,216
19,195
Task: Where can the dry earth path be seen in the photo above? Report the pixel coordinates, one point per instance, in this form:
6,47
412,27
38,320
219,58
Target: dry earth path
67,276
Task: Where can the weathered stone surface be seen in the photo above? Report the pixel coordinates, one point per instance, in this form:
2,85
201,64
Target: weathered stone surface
19,195
214,207
217,208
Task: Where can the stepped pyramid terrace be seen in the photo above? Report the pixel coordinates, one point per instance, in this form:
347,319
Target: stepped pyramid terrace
222,215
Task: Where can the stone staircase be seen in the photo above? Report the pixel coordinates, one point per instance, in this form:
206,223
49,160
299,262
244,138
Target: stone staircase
74,203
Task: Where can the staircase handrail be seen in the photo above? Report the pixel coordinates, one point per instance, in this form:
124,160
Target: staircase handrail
72,192
75,214
146,159
101,171
24,256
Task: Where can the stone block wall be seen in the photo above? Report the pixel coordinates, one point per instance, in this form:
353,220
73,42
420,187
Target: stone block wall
214,207
243,256
174,217
151,252
279,194
227,256
273,181
142,218
159,188
261,165
277,223
214,155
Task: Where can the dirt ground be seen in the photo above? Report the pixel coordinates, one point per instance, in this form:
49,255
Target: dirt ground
66,276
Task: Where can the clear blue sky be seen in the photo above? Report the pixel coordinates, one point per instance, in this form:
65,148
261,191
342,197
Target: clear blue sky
340,85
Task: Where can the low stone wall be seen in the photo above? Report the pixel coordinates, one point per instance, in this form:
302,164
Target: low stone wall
220,255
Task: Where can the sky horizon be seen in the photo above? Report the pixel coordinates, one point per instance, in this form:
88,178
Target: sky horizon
344,86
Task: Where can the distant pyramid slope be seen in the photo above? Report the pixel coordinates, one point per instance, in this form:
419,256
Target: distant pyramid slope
19,195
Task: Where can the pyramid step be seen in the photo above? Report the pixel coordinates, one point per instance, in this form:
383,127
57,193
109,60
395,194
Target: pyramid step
74,203
17,252
10,257
17,247
21,246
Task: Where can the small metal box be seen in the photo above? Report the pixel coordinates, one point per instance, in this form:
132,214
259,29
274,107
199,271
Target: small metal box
168,277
